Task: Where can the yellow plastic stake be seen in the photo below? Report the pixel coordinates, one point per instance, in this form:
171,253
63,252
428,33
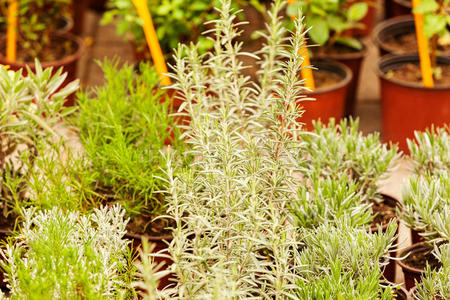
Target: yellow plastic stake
11,31
424,50
152,41
306,71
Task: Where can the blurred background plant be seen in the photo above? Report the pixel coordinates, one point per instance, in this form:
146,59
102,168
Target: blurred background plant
38,23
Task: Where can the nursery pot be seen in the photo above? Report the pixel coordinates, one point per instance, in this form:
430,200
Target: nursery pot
79,8
400,8
330,100
408,106
413,273
64,25
353,60
389,30
161,246
68,62
389,270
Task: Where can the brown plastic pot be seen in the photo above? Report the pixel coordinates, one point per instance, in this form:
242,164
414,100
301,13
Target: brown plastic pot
392,28
330,100
161,246
79,8
416,237
68,63
407,107
389,269
352,60
401,7
412,274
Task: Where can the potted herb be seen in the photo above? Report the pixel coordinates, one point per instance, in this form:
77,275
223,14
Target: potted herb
331,22
343,261
175,21
39,37
436,284
232,231
61,254
425,209
402,89
30,109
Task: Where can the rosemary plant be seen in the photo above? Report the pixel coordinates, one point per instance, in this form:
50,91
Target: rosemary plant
427,206
337,150
30,108
436,284
343,262
234,237
61,255
431,150
123,128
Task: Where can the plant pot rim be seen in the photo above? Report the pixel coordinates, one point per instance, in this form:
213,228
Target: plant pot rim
396,219
405,3
68,27
412,249
60,62
344,56
389,59
384,25
152,238
344,82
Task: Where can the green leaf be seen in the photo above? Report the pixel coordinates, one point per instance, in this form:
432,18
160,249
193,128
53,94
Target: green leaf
433,24
336,23
426,6
350,42
357,11
319,32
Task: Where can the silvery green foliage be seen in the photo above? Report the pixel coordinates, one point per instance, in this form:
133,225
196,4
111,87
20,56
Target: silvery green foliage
60,255
327,200
344,262
234,238
436,284
337,150
30,107
426,204
431,151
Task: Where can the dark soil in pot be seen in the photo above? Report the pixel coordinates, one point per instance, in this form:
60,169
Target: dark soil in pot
416,237
352,59
406,105
385,213
68,50
414,265
332,81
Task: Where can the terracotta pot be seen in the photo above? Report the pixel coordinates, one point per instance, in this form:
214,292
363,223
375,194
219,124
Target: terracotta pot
368,20
411,273
68,63
401,7
407,107
161,246
389,269
79,8
330,100
392,28
353,60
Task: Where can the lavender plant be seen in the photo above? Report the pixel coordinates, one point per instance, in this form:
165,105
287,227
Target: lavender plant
30,108
340,261
436,284
60,255
430,151
234,237
426,208
337,150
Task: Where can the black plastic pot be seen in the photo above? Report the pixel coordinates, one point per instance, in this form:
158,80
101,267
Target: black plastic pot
392,28
407,107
